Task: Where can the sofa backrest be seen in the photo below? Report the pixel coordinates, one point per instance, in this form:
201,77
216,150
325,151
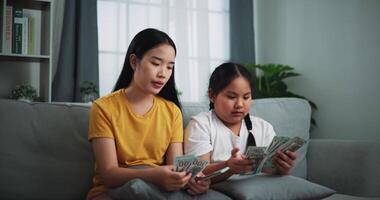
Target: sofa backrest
348,166
289,117
45,154
44,151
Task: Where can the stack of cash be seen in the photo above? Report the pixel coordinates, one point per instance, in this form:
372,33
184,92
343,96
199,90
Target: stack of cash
263,155
189,164
257,154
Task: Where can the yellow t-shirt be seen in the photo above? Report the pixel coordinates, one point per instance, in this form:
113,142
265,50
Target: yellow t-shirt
139,140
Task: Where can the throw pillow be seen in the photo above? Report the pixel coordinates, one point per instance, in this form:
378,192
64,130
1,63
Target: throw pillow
266,187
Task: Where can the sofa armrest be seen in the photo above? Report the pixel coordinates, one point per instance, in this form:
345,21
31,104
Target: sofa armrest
347,166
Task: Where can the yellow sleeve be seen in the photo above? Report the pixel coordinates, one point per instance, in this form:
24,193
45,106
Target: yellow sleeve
100,123
177,135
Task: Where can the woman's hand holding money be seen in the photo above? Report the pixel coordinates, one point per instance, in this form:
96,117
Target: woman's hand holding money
198,186
169,179
238,163
284,161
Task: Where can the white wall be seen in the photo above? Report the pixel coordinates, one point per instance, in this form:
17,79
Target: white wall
335,45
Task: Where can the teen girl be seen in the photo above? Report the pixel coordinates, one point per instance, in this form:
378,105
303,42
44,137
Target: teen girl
136,131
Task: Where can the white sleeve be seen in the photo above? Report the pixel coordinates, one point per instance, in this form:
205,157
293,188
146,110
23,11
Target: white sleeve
268,133
197,139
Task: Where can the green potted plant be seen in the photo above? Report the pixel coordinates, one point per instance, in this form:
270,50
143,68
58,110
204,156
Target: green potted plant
270,82
24,92
89,91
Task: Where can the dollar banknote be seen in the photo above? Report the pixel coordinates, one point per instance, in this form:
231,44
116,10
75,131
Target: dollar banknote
257,154
296,144
181,163
189,164
263,155
197,166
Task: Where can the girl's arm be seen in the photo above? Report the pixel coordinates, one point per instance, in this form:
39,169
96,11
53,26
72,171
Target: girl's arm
236,163
215,167
113,175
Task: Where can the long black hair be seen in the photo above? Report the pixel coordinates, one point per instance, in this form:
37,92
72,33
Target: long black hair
144,41
221,77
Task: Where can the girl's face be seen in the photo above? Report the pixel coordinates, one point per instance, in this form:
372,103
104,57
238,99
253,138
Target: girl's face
233,102
155,68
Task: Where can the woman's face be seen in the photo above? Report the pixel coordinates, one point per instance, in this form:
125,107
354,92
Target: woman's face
153,71
233,102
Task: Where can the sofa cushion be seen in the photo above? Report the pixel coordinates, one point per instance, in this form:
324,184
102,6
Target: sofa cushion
264,187
289,117
44,151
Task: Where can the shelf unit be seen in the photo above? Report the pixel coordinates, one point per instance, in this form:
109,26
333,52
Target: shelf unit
35,66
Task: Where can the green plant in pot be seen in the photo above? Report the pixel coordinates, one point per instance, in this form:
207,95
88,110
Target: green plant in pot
270,82
89,91
24,92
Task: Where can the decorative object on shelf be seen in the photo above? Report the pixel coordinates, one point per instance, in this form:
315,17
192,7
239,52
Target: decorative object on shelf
269,82
89,91
24,92
25,50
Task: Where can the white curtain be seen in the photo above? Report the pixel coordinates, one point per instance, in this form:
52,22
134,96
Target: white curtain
200,29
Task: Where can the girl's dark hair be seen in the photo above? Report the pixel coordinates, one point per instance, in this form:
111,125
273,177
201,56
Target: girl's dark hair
222,76
144,41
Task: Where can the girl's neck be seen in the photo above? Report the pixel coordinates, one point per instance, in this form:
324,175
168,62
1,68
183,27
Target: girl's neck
235,128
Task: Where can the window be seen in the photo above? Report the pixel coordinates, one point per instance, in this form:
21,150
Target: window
199,28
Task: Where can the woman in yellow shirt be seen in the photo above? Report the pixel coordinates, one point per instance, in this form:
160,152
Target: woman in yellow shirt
136,132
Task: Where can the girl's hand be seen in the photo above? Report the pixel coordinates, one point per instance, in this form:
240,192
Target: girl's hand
198,187
238,163
169,179
284,161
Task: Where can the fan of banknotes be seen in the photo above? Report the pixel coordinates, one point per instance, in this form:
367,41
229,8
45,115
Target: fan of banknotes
263,155
189,164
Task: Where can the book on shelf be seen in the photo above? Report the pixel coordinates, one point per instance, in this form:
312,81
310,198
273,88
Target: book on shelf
2,26
31,26
21,31
34,30
17,30
24,43
7,33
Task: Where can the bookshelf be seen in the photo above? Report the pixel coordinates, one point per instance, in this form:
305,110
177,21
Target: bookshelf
26,46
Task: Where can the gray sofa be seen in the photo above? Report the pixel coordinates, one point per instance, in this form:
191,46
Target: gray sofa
44,152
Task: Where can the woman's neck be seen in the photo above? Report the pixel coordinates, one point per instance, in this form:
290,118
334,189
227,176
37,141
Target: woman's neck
134,95
140,101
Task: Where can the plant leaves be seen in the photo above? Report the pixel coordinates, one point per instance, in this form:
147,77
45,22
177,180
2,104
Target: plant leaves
271,82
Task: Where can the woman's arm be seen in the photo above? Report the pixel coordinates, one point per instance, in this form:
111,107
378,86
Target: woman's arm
174,150
113,175
106,160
